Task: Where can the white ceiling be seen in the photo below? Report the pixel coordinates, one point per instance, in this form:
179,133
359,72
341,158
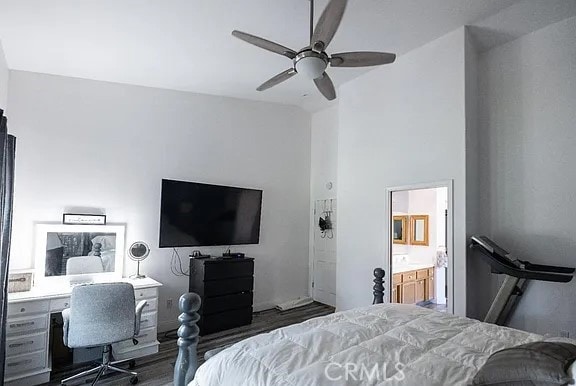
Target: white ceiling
186,45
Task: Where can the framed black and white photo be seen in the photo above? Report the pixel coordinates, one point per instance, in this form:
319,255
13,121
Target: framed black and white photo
84,219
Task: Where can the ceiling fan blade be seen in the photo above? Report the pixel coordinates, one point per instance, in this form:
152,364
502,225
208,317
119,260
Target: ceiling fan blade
361,59
265,44
328,24
281,77
326,87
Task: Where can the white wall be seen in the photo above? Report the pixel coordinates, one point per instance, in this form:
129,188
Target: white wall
324,167
400,124
528,121
4,75
104,145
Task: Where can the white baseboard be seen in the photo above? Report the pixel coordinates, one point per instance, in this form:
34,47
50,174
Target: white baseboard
294,303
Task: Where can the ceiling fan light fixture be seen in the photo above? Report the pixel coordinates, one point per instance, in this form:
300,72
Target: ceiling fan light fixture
310,65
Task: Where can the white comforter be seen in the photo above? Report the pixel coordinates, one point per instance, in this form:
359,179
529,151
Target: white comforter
386,344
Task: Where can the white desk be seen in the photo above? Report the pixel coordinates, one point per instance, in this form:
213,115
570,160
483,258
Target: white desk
28,359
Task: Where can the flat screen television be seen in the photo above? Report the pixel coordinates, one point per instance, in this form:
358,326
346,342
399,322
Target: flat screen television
194,214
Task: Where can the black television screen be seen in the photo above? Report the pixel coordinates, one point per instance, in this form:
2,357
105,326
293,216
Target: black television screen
194,214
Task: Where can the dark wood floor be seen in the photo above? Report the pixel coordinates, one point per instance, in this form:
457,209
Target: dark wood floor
157,369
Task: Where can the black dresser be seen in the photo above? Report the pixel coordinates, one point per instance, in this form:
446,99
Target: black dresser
226,288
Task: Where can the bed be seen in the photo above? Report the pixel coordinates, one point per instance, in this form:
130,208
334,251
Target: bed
392,344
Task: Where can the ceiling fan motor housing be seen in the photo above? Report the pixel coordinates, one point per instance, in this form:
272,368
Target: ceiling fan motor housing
311,64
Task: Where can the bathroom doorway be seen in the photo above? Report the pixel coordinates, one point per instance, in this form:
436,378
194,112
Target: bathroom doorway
420,246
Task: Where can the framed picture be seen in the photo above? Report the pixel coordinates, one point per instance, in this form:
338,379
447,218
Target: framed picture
399,229
419,229
84,219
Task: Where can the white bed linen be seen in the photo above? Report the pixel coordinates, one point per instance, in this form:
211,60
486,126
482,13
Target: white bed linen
433,348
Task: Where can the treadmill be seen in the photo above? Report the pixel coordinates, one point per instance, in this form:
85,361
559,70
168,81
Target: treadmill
517,273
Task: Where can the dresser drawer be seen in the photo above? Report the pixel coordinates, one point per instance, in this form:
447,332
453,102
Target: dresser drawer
25,344
151,305
59,304
234,268
23,363
230,286
227,302
144,293
148,320
225,320
430,272
26,324
23,308
396,278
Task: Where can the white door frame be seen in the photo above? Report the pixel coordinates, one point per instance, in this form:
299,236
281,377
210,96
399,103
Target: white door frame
312,249
449,184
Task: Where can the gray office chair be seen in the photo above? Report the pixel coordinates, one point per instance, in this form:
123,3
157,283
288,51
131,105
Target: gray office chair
99,315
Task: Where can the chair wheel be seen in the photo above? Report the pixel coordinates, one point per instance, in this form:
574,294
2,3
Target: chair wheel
133,380
131,364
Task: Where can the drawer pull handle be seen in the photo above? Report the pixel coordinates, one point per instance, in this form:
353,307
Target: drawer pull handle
21,344
144,321
22,309
18,325
24,362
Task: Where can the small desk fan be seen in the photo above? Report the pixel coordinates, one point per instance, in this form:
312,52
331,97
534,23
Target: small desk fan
138,251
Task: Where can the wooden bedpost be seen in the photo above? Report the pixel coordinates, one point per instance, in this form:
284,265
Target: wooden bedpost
187,361
378,286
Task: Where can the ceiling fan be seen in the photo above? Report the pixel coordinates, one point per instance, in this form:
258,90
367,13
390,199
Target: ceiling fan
312,61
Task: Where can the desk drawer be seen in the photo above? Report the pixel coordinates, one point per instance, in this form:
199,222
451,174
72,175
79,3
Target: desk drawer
59,304
147,335
26,324
148,320
151,305
144,293
23,308
23,363
25,344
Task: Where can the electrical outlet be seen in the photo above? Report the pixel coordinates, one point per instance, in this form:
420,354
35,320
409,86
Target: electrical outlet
169,303
564,334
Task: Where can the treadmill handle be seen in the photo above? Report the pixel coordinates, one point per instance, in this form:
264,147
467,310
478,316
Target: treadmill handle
547,268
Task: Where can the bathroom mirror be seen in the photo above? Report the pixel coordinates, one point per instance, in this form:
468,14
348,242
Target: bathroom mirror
399,229
419,230
71,250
